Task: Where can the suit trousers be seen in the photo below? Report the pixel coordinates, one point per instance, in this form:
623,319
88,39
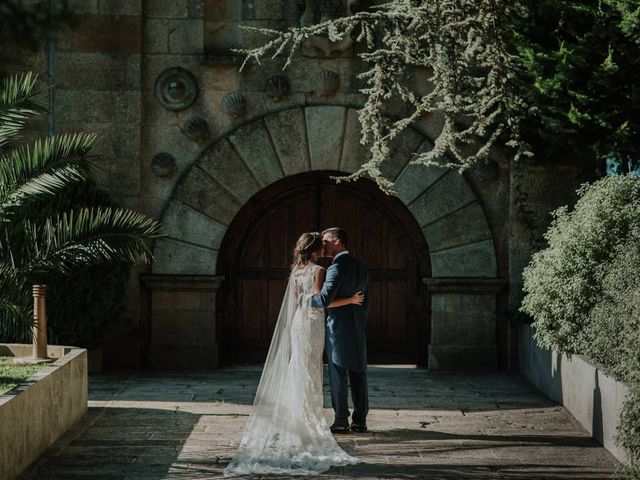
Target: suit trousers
338,377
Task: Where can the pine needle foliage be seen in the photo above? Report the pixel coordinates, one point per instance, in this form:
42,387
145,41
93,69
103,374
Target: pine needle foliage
462,44
550,77
580,64
41,235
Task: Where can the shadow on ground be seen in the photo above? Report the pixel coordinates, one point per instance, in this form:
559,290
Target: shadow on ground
118,443
389,389
179,425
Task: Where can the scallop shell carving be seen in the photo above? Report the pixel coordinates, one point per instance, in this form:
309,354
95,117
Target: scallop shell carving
196,129
277,87
327,82
163,164
234,104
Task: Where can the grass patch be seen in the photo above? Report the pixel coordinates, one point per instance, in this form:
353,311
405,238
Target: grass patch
11,375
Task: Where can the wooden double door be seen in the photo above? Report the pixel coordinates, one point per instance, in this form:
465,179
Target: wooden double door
256,255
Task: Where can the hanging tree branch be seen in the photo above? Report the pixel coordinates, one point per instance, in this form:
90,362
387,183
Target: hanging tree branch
462,44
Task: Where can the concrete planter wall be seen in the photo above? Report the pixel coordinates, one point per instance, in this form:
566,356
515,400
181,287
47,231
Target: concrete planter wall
37,412
592,397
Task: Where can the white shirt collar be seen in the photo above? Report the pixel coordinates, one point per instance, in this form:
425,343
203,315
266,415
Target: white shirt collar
341,253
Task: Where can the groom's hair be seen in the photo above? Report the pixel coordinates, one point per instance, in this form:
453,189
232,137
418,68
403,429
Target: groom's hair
338,233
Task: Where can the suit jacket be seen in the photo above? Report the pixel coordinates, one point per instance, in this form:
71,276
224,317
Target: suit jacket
345,340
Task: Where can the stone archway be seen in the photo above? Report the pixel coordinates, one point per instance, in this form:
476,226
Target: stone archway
236,167
255,257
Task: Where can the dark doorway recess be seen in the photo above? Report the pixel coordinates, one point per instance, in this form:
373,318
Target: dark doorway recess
256,253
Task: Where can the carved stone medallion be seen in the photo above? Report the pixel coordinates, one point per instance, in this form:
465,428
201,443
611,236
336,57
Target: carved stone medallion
176,88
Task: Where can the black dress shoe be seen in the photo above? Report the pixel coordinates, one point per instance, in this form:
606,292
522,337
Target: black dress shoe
358,427
339,428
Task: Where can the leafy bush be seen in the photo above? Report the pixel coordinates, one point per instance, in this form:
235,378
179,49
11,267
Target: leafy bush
583,291
580,64
565,281
53,221
86,306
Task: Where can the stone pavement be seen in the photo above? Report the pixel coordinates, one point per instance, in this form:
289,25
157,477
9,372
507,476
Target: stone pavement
185,425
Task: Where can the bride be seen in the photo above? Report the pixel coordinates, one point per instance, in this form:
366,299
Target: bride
286,432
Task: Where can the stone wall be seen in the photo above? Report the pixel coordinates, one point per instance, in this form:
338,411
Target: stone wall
37,412
96,74
260,152
98,89
463,323
593,398
189,138
536,188
183,330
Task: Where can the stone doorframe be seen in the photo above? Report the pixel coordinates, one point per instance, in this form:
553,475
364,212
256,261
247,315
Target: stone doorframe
230,171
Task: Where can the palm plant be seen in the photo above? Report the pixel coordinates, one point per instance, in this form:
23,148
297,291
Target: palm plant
39,233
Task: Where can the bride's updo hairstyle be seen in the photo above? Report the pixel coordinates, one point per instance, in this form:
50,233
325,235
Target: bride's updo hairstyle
307,244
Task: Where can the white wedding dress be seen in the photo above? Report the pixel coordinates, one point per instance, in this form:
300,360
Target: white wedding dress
286,432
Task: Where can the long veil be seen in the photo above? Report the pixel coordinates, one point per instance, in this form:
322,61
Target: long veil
285,433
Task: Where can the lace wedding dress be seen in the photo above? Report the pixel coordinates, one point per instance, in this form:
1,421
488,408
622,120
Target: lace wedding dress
286,432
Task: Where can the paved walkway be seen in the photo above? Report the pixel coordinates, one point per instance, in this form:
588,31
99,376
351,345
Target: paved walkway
424,425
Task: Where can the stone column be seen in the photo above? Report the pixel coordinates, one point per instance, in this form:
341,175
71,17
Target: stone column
463,323
182,320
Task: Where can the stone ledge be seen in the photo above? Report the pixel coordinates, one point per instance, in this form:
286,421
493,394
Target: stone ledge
41,409
23,350
488,286
182,282
591,396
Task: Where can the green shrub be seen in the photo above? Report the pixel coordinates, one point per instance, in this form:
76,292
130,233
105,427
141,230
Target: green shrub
85,307
629,432
583,290
53,220
580,67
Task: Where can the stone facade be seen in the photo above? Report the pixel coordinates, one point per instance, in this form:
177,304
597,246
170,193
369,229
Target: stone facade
263,125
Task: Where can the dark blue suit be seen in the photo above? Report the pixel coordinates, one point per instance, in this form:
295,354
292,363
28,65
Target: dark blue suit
345,340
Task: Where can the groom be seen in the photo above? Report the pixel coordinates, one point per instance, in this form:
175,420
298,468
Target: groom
345,343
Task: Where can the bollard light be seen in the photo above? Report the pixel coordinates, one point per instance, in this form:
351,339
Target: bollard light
39,322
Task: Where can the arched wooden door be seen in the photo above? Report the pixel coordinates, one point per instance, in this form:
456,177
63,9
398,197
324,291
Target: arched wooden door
256,253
